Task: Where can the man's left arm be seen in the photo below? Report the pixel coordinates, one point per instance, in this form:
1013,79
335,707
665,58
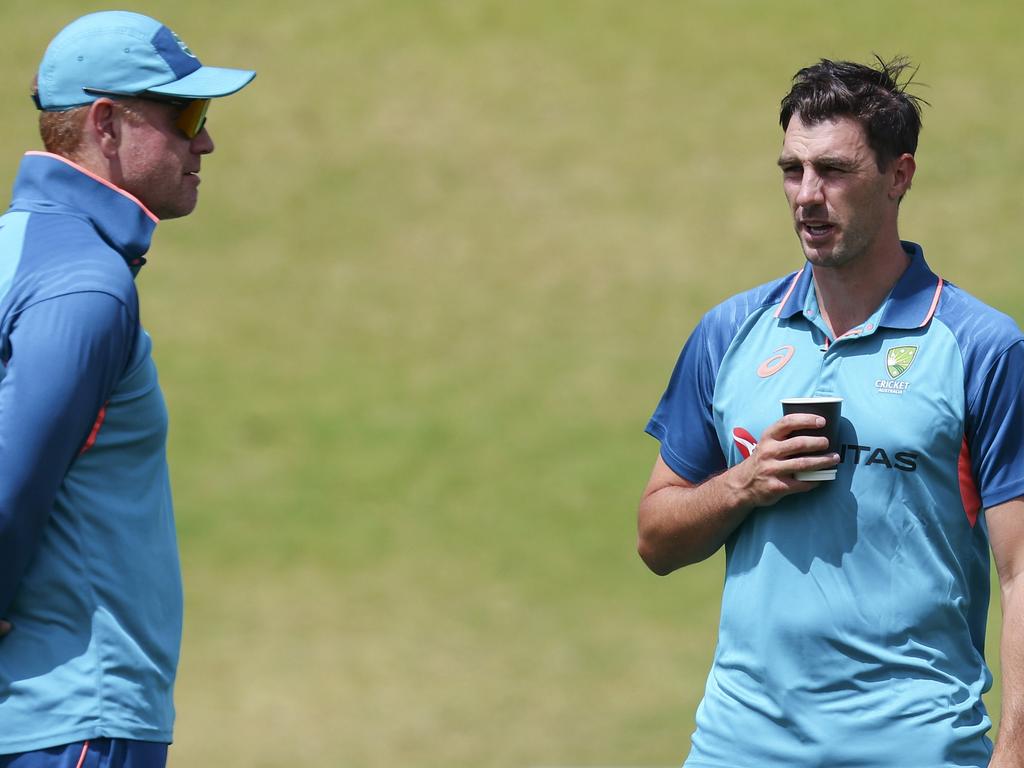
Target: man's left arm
1006,532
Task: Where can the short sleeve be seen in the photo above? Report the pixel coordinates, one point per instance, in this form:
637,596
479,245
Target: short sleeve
995,428
684,421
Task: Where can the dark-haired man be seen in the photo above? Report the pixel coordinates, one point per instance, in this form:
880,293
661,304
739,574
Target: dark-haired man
854,610
89,579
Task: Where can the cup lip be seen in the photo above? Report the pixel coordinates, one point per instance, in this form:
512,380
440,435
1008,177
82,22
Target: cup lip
809,400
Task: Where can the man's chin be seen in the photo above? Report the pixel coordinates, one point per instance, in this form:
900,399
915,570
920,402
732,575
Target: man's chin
177,211
823,256
817,256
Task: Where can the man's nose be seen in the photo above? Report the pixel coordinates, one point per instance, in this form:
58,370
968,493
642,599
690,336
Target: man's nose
810,192
202,144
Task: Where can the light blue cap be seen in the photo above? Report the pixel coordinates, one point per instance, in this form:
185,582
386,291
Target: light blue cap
126,53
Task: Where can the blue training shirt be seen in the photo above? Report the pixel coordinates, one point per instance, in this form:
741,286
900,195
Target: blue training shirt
853,616
89,572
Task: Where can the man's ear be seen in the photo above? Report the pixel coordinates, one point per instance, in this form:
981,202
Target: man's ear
902,175
103,126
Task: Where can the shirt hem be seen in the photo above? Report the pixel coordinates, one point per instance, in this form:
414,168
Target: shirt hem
47,741
674,462
1002,495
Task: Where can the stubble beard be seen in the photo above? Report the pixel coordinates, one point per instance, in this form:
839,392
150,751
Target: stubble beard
846,248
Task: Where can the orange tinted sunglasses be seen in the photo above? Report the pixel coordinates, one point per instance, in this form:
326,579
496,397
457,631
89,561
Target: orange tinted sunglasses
190,121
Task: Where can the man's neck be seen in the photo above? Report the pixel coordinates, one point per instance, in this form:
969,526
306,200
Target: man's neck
849,294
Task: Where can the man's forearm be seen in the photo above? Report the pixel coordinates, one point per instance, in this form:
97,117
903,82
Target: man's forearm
1009,751
684,525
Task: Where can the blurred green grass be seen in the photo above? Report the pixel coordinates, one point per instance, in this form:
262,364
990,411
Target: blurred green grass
444,259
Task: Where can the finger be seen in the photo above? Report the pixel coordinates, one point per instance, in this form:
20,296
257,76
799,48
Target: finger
783,467
811,463
793,422
801,445
775,467
823,461
785,447
5,627
778,486
805,464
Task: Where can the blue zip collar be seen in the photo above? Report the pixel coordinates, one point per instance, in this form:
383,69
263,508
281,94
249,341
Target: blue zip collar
48,183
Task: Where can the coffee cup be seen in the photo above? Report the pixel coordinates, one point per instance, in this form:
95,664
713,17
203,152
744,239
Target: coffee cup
830,408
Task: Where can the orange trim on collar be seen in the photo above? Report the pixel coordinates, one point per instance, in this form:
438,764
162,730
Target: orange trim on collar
935,303
792,287
95,177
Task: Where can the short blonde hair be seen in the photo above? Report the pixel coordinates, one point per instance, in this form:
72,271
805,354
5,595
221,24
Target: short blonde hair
61,132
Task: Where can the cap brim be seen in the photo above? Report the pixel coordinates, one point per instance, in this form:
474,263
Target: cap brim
206,83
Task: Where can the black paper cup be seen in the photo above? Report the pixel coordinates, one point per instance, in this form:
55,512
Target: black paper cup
830,408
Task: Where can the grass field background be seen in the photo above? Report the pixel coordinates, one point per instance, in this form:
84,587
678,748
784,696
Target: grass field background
445,256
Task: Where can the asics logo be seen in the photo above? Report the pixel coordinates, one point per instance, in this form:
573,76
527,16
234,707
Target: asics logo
776,362
745,442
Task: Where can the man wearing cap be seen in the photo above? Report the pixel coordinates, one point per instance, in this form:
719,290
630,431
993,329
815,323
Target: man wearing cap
90,588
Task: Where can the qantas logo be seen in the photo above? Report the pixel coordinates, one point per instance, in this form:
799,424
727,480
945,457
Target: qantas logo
776,362
905,461
745,442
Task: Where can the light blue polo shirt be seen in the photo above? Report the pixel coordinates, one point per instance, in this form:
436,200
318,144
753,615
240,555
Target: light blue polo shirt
853,616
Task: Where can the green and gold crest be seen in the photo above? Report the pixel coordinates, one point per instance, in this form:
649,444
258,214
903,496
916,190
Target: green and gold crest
899,359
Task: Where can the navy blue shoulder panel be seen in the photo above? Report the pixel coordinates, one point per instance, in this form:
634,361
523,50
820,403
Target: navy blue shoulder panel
684,421
62,254
992,347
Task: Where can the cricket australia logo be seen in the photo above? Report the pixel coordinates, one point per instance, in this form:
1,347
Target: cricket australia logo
899,359
897,362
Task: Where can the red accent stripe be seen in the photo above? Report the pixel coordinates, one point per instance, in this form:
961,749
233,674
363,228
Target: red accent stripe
81,759
91,440
968,488
935,303
792,286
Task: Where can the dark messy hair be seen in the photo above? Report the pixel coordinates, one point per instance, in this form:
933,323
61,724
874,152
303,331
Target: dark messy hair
872,96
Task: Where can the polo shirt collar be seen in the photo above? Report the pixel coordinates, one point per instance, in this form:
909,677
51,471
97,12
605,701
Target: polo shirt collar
911,302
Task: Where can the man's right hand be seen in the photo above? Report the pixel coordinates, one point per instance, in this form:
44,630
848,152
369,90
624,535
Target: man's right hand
768,474
680,522
5,627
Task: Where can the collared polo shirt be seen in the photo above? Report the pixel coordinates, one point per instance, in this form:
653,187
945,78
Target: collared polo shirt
853,615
